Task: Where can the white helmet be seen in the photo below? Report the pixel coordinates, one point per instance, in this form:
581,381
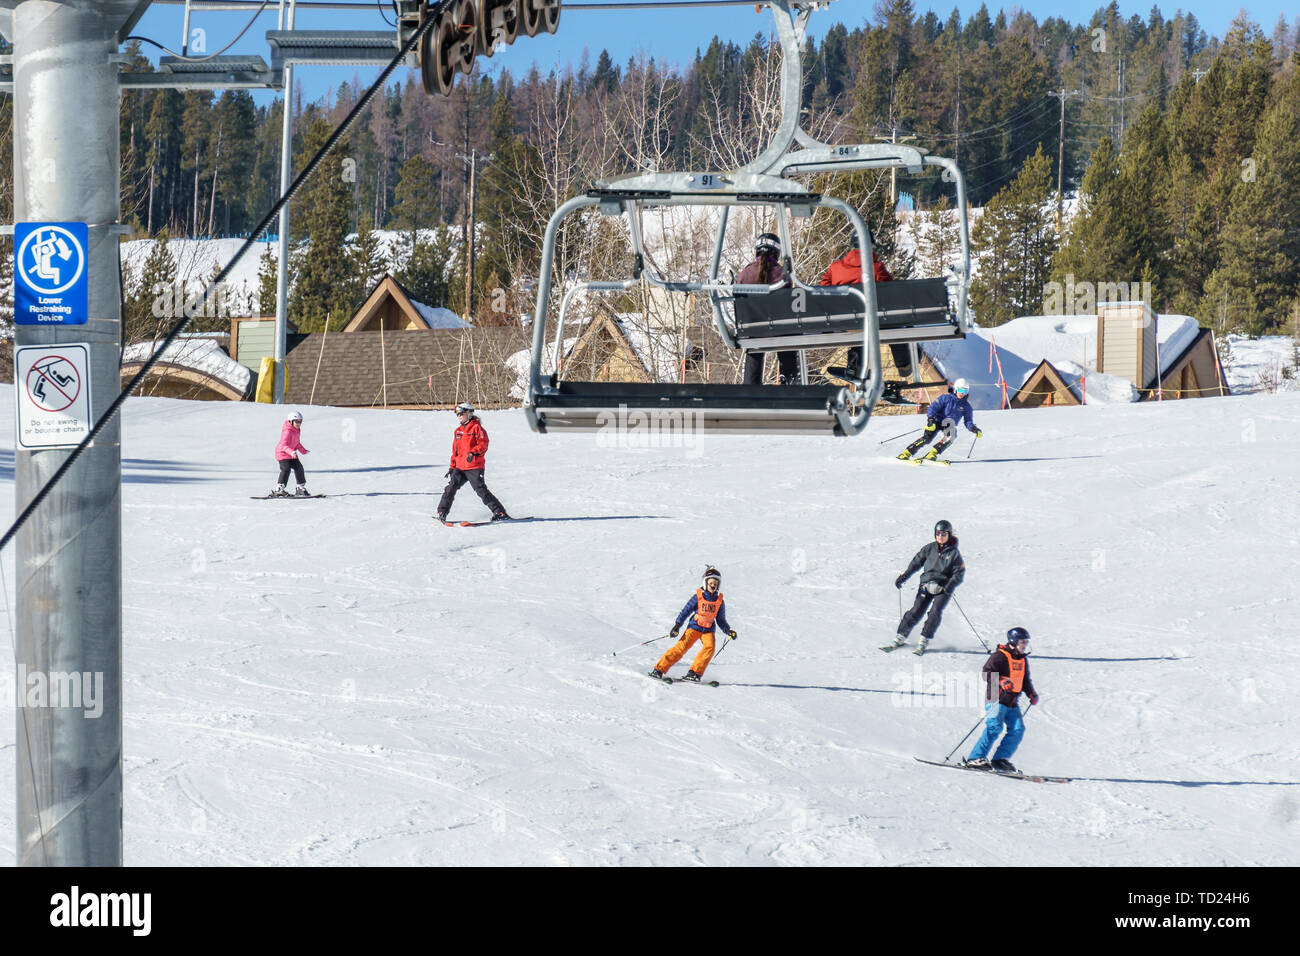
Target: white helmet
465,407
961,388
294,417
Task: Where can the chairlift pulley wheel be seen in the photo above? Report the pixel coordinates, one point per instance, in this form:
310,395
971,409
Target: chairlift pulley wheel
530,16
551,15
439,57
506,12
467,32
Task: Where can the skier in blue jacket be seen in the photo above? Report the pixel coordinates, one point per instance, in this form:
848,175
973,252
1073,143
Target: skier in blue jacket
945,412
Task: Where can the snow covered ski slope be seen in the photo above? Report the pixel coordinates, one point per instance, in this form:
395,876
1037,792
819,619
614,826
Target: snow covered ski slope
344,681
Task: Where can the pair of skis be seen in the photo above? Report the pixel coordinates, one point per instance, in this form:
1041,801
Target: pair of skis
479,524
1017,775
285,497
893,647
924,461
683,680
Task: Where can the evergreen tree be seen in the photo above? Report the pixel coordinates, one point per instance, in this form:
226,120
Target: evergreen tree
154,301
1013,244
1258,275
1102,242
428,273
417,205
366,260
937,237
326,283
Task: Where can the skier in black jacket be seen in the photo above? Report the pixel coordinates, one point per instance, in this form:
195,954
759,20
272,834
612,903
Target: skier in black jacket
942,569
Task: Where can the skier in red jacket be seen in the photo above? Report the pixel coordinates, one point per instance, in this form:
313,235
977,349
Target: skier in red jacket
468,449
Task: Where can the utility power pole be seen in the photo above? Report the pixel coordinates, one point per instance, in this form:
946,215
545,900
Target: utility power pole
1061,94
893,170
471,163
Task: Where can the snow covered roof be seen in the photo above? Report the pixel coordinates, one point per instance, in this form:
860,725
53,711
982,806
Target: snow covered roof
439,318
198,354
1069,342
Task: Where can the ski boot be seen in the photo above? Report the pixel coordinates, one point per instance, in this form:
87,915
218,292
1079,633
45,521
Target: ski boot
931,455
920,647
279,492
502,516
905,455
979,763
1004,766
656,673
301,492
442,516
692,676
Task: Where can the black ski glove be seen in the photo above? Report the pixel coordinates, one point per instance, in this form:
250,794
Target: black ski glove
448,474
470,457
898,581
675,630
731,634
931,426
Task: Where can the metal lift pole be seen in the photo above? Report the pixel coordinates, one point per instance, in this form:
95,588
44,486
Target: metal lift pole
286,177
69,557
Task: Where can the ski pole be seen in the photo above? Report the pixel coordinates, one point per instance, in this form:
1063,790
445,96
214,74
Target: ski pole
897,437
963,740
642,644
972,445
730,641
972,626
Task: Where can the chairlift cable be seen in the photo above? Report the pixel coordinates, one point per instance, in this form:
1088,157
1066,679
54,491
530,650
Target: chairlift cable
200,59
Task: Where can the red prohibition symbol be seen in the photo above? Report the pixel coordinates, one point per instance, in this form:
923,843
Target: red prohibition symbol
54,383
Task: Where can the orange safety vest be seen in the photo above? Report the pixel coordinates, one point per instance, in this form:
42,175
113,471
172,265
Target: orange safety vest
706,609
1015,668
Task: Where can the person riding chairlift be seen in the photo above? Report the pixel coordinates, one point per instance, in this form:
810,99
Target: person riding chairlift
766,269
847,270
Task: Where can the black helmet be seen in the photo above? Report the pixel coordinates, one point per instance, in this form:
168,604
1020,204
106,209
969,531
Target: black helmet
943,526
712,572
1016,635
768,242
853,237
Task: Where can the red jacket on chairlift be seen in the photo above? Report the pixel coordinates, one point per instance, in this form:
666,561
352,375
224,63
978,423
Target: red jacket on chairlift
848,270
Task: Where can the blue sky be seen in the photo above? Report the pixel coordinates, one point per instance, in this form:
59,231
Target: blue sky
630,33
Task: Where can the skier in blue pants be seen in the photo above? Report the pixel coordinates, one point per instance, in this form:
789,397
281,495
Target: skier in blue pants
943,414
1006,676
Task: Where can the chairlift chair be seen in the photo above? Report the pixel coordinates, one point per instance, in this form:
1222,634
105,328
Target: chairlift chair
764,318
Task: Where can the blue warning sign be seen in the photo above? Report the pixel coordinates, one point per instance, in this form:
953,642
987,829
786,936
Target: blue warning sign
50,274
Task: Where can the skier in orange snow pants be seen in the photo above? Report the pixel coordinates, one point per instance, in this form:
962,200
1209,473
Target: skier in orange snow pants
706,612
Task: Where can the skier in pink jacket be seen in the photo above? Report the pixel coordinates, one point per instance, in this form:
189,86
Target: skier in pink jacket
286,453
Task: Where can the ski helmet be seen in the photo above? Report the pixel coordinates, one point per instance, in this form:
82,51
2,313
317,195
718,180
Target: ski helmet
961,387
768,242
465,407
1016,635
294,417
941,526
714,573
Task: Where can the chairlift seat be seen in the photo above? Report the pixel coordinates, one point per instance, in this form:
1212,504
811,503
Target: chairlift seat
600,406
911,310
